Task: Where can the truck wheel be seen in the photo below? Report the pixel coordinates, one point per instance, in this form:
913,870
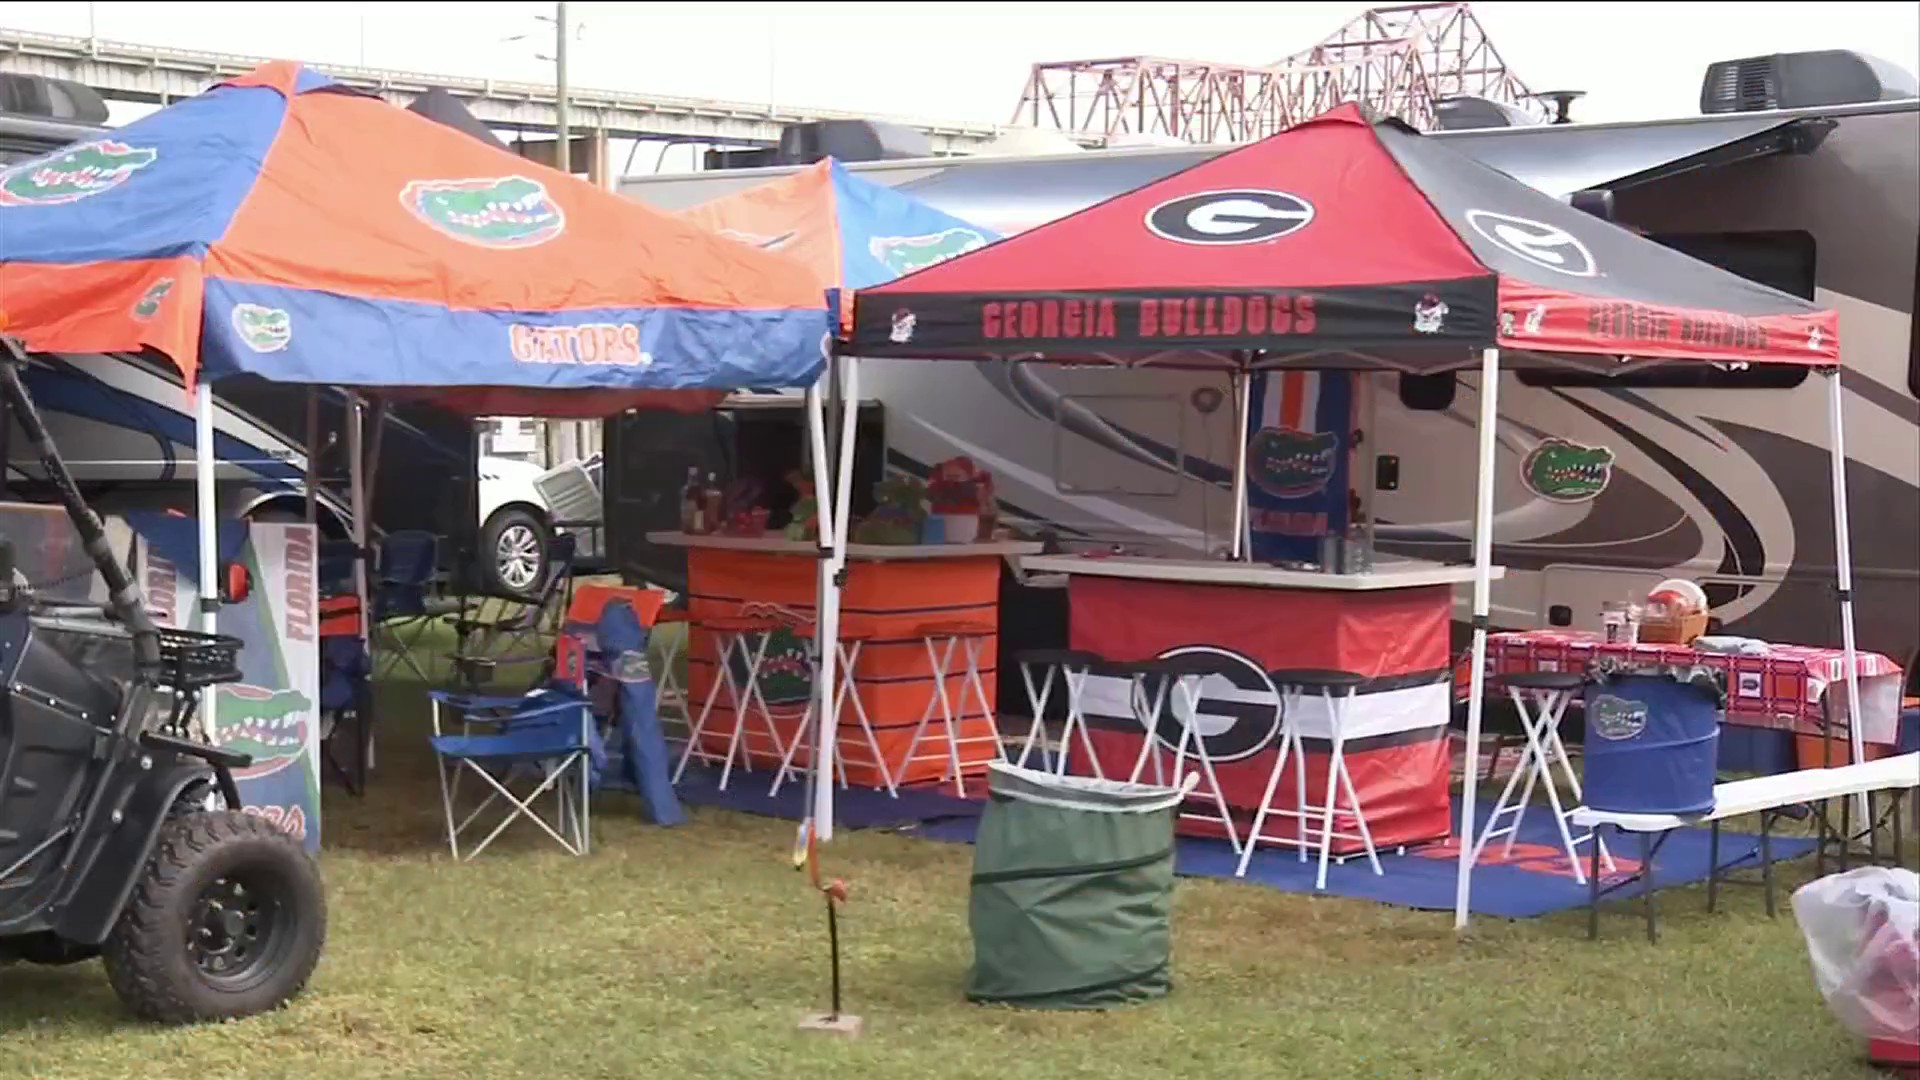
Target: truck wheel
255,916
513,553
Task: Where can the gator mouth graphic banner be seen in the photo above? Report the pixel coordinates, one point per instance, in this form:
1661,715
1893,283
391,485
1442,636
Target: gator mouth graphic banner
1395,729
272,713
1299,459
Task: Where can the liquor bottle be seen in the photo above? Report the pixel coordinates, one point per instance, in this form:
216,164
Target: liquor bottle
690,502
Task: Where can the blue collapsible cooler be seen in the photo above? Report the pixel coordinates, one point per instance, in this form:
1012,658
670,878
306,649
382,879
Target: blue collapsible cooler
1653,738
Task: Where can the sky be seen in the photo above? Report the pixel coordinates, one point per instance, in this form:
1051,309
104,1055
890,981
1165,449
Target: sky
969,62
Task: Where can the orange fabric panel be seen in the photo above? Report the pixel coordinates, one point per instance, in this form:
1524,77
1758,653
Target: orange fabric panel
591,598
327,213
793,215
101,307
893,675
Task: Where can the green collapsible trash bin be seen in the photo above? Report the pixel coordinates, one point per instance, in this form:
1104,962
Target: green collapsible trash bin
1072,889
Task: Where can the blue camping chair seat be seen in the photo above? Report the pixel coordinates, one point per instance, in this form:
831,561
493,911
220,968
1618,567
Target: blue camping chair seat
548,733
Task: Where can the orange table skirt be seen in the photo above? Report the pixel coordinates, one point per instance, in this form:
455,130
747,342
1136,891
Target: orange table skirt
893,676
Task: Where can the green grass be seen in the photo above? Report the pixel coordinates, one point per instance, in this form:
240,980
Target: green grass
691,953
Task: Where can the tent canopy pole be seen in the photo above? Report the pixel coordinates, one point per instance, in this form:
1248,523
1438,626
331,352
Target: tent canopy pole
1482,605
207,515
1843,572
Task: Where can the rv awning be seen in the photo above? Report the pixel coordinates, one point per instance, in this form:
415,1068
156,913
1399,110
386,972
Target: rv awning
1560,161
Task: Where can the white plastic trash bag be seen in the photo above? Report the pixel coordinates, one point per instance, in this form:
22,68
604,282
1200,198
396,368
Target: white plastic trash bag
1863,936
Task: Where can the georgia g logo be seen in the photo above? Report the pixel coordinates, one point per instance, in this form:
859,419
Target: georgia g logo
1241,216
1538,243
1234,714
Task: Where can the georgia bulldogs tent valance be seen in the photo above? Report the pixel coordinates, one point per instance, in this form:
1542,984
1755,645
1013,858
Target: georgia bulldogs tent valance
1337,243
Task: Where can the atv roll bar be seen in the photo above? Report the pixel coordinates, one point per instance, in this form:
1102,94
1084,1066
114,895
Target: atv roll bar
124,596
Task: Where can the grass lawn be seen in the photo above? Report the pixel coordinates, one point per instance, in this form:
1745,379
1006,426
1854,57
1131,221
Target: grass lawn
691,953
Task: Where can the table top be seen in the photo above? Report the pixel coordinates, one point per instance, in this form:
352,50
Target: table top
1825,663
1390,574
780,545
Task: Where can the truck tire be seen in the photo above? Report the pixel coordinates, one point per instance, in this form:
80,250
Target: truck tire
513,553
255,913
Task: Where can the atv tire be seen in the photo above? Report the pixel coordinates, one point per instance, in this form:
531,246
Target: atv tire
254,914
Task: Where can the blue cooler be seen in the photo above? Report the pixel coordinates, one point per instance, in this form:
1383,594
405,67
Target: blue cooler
1653,739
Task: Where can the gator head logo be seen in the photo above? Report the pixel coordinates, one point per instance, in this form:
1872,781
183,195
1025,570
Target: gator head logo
1616,719
264,329
1291,464
1567,472
67,176
905,254
149,303
503,212
786,670
268,725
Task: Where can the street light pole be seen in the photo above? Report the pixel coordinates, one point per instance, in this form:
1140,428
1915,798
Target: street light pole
562,435
561,125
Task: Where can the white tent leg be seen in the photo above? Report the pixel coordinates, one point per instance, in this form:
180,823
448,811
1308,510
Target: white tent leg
313,453
829,641
207,517
1843,570
826,615
357,502
1482,604
1242,407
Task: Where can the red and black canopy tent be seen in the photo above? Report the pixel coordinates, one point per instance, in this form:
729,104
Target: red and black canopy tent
1343,243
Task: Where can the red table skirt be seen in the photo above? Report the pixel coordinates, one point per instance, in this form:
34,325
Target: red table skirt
1396,745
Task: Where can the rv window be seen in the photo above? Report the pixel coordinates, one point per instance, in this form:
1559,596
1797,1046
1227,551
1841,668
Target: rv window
1780,260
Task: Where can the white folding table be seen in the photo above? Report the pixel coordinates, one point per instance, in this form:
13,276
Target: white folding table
1767,796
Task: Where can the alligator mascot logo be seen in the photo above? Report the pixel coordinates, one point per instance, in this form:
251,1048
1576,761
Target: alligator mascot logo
1289,464
503,212
264,329
905,254
67,176
268,725
1566,472
786,669
149,303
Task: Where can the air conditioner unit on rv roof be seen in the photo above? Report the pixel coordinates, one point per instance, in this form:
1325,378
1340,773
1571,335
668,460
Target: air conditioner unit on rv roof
1802,80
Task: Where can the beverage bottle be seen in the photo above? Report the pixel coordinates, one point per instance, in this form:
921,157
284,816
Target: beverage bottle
710,503
690,502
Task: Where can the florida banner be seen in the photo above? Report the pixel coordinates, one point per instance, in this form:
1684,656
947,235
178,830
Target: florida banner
1299,453
272,713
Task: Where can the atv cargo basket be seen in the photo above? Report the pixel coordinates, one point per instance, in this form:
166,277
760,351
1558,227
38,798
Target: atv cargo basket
1072,889
190,660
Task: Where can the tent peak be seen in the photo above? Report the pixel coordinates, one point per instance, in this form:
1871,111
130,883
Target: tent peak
290,78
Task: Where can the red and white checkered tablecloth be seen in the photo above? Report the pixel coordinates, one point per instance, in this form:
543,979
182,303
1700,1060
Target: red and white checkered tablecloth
1784,688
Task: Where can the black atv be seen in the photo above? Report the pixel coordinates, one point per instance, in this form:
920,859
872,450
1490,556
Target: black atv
122,836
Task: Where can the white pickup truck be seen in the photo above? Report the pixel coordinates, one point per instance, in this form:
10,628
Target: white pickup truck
522,504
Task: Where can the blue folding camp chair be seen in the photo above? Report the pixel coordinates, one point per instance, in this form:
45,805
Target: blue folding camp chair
549,733
403,583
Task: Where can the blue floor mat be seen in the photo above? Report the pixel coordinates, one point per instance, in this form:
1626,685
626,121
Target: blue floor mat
854,807
1536,881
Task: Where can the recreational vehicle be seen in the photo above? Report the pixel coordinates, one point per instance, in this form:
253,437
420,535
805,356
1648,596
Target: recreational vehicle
1803,173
